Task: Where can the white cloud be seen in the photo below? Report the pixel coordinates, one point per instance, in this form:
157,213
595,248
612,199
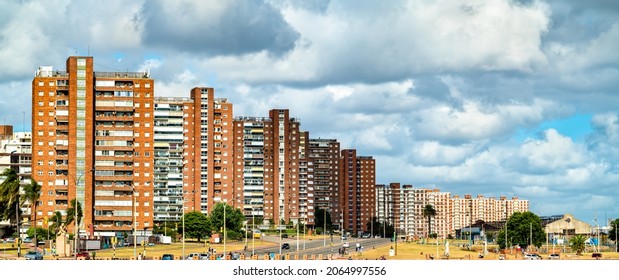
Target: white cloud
554,152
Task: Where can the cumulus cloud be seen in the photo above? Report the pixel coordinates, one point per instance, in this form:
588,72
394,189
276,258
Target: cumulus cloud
216,27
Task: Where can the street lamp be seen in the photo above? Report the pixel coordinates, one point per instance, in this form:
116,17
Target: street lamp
133,220
253,232
183,218
225,229
76,235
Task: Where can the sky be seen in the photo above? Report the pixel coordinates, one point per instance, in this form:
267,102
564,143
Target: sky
503,97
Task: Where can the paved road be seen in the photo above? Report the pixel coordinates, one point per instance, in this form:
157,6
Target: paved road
314,246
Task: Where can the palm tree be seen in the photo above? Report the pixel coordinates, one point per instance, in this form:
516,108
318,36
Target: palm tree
578,243
74,213
9,199
32,193
57,222
429,212
9,195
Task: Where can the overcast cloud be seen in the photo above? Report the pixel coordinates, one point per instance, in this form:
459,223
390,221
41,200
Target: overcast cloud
472,97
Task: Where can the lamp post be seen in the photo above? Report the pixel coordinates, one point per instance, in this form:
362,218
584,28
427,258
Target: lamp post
253,232
133,220
76,235
225,229
183,220
324,228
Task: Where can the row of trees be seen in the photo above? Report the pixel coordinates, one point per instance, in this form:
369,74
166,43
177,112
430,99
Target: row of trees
12,201
201,226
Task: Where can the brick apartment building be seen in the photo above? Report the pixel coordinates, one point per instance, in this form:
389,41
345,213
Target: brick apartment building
325,153
92,140
357,191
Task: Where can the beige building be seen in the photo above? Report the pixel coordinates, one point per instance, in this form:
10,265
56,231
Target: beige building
566,227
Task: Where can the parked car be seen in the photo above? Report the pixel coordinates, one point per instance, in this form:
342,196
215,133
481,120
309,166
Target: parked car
367,235
554,257
167,257
83,254
285,235
33,255
285,246
204,256
596,256
532,257
193,256
346,245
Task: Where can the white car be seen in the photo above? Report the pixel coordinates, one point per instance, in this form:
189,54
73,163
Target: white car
346,245
532,257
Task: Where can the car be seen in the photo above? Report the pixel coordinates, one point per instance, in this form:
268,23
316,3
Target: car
285,235
167,257
532,257
204,256
345,245
596,256
367,235
33,255
344,237
83,254
285,246
193,256
27,240
554,257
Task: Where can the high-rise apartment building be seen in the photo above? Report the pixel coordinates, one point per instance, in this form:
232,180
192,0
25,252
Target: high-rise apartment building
92,140
168,153
357,191
208,152
249,163
468,209
326,156
306,181
281,156
402,207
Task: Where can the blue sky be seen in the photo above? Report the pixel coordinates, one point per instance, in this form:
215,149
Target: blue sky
506,97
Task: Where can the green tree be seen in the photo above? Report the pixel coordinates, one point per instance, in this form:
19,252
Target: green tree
429,212
612,234
577,243
32,193
197,225
39,232
9,195
373,226
234,218
74,213
521,226
55,223
319,217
